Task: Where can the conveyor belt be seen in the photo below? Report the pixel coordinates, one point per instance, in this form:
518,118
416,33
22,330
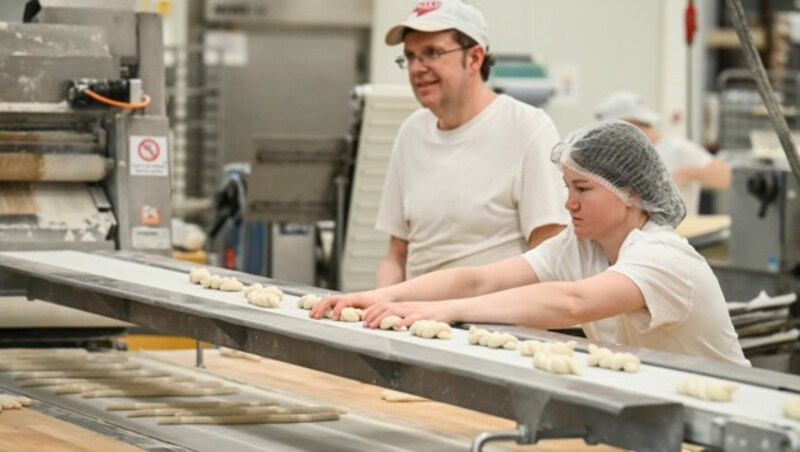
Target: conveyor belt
640,411
354,431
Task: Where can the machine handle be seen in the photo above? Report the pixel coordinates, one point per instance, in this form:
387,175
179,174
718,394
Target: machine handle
765,187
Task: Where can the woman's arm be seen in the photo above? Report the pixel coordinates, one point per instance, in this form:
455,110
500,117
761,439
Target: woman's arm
545,305
440,285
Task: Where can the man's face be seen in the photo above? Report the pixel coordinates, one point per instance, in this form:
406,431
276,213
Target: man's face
437,82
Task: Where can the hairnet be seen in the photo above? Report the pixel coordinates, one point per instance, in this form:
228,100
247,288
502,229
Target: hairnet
620,157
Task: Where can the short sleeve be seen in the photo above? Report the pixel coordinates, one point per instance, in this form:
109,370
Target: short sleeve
690,154
391,215
546,258
539,190
657,268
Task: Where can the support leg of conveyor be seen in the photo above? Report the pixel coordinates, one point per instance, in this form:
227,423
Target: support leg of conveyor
525,435
198,362
521,435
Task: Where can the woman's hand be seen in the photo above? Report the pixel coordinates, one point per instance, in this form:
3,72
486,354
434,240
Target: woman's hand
409,312
362,300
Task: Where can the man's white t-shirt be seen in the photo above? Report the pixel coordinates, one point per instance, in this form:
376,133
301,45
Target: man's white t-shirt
686,311
678,153
472,195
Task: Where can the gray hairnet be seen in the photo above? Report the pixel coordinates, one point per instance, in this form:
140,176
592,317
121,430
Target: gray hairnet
619,156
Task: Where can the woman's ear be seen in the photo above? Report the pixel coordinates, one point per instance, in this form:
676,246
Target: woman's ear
635,199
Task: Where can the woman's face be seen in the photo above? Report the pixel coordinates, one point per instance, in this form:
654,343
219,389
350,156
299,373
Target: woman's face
596,211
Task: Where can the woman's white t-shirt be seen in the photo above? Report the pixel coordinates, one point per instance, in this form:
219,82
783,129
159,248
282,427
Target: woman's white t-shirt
686,311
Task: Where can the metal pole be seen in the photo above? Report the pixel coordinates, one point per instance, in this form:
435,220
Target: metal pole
760,75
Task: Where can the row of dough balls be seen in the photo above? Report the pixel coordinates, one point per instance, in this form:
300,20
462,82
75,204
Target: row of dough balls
309,302
431,329
707,388
206,279
264,296
606,359
424,328
491,339
532,348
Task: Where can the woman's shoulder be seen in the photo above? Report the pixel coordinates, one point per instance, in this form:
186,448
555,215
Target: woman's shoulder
657,241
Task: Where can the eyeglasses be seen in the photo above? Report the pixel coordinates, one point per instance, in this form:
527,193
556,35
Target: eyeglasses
429,55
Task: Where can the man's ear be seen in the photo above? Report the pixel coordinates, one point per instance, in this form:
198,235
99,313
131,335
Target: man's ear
475,57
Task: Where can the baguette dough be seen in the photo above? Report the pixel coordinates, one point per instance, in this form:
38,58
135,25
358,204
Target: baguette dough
791,409
556,363
605,358
90,374
125,406
197,274
171,385
707,388
160,392
396,396
390,322
496,339
110,381
80,365
250,419
531,348
275,409
430,329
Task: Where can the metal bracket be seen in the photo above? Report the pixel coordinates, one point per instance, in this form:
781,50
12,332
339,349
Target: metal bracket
734,435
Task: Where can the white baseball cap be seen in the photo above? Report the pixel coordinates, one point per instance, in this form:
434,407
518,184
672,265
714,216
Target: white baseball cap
625,105
441,15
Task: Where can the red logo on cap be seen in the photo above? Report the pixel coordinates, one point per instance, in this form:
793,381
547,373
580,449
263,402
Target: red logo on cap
426,7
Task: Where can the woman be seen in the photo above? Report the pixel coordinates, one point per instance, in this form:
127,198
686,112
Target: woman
620,259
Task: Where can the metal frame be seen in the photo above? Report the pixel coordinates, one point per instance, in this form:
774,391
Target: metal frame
549,406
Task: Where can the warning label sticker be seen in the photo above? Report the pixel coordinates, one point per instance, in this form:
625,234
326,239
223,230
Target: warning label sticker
149,156
148,238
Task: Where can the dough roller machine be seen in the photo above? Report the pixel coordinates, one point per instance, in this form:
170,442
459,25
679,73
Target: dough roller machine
77,172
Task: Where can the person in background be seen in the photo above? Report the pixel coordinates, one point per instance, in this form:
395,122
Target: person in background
619,259
691,166
469,180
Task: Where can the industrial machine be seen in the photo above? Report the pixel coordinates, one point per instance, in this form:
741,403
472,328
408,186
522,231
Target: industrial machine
76,172
765,217
84,158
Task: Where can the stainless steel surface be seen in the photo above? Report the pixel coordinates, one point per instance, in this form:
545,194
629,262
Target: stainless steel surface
629,410
450,371
30,52
769,242
116,17
291,12
292,177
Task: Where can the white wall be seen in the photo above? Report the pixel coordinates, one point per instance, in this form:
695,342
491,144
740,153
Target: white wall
606,45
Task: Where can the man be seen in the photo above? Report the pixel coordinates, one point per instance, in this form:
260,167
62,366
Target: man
469,181
691,166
